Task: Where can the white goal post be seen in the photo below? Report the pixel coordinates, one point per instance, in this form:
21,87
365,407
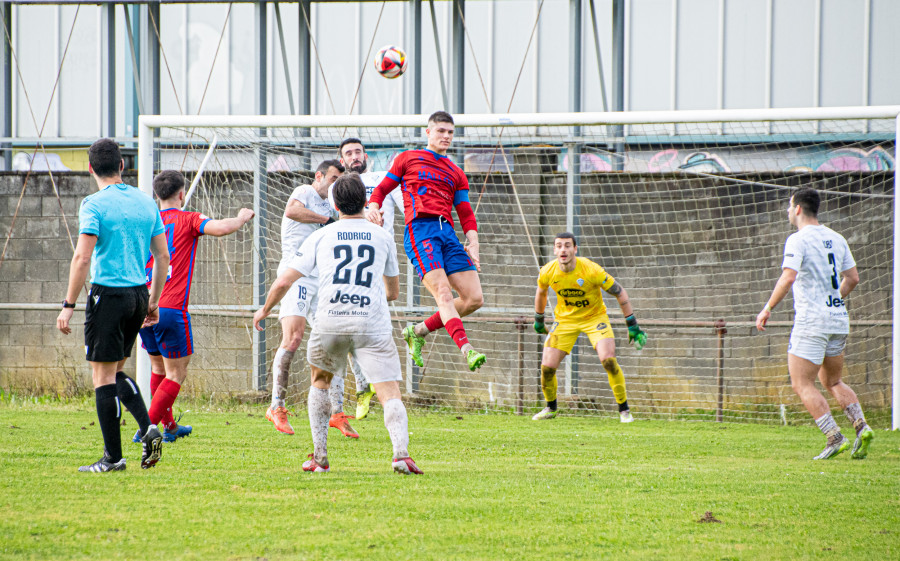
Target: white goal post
672,203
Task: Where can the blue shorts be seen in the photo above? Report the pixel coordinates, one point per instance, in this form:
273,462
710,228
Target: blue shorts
171,337
431,243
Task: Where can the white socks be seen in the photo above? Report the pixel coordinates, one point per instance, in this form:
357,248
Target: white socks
336,394
319,413
397,424
281,372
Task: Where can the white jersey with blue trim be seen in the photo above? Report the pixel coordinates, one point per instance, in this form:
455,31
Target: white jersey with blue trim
392,203
294,233
819,255
350,257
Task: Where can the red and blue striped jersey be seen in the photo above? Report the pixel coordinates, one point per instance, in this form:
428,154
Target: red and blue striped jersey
430,183
182,231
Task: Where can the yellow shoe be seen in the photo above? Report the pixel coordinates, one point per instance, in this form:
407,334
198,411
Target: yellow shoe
363,399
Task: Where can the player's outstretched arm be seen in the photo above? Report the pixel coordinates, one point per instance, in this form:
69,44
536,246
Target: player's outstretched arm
540,304
228,225
849,280
279,288
636,336
78,271
374,214
297,211
785,281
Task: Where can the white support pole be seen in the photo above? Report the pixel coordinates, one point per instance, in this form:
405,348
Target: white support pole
145,184
200,170
895,327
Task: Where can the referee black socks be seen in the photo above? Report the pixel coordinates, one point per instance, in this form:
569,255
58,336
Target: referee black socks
108,413
130,396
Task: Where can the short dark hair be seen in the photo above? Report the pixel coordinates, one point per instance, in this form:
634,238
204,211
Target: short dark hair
167,183
349,193
347,141
441,117
566,236
323,167
105,157
808,199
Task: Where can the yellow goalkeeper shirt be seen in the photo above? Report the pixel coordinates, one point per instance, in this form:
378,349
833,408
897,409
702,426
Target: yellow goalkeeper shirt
578,292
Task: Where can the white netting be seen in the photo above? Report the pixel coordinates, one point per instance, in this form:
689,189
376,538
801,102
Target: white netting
689,217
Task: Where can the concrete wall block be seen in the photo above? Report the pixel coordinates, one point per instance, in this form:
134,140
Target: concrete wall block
22,248
52,292
59,249
41,270
12,270
30,205
43,228
25,291
24,335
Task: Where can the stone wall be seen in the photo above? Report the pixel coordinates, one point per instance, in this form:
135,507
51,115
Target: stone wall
688,252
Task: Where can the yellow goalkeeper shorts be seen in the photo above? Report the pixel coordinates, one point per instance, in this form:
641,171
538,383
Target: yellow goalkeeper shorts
563,334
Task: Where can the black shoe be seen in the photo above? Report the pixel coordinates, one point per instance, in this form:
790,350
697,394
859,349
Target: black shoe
151,445
103,465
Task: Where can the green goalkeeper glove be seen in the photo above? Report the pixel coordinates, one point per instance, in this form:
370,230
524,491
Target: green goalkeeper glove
539,326
636,335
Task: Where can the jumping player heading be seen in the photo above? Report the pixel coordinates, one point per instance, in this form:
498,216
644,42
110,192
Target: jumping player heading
431,185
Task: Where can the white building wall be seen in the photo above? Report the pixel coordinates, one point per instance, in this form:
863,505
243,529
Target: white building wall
680,54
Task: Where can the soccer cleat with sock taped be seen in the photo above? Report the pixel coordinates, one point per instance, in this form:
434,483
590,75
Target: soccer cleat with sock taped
861,445
625,416
279,417
103,465
312,465
544,414
832,449
475,359
415,344
406,466
363,400
339,421
151,447
137,437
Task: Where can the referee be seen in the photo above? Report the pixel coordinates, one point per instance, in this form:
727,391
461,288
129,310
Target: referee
118,227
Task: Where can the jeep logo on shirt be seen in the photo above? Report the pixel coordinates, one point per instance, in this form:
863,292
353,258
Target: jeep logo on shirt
356,299
570,292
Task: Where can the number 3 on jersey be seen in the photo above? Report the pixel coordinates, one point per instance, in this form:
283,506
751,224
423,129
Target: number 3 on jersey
835,281
342,274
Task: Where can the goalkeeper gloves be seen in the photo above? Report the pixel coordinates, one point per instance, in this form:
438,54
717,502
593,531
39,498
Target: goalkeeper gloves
539,326
636,335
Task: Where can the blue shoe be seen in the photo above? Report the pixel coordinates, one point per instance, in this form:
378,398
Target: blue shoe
137,437
180,432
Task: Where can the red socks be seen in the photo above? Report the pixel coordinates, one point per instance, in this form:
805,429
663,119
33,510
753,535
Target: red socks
161,406
155,381
434,322
456,330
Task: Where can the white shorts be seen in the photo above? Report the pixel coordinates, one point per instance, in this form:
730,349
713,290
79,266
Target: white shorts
814,347
376,354
300,300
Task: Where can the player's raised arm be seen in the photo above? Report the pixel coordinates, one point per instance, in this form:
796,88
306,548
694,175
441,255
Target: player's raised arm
279,288
298,212
227,226
636,335
391,179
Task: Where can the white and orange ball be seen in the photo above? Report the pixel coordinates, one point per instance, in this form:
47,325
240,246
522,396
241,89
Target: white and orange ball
390,61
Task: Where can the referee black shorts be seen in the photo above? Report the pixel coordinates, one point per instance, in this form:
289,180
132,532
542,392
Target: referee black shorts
112,320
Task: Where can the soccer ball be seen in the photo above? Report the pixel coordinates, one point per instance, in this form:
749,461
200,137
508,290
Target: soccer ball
390,61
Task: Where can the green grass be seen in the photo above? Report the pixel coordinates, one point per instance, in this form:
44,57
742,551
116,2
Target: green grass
495,487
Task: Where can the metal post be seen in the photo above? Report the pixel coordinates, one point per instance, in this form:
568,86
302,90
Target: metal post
458,62
134,103
108,66
258,262
575,56
6,84
521,322
720,367
895,330
304,79
599,58
415,55
573,200
618,77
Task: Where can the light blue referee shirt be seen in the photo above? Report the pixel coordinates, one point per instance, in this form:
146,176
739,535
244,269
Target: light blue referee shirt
124,220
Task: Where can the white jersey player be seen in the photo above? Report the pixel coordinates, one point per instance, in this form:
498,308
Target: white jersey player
354,158
307,210
356,265
820,269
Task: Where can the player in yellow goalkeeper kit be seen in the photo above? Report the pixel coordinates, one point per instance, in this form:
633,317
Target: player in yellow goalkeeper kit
580,309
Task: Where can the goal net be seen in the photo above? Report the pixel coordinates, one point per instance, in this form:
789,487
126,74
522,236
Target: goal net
686,210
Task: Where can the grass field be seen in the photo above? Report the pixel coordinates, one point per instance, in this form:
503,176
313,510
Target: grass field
495,487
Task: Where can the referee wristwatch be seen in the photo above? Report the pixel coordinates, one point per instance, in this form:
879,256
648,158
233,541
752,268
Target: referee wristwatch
66,304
